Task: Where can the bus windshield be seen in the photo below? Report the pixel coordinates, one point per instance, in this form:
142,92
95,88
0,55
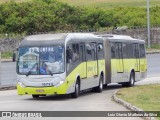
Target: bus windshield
41,60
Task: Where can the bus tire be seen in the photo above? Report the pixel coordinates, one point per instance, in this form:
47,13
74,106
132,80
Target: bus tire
99,88
77,90
14,57
35,96
131,81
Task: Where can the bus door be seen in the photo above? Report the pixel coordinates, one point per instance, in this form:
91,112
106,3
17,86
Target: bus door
119,57
136,56
83,60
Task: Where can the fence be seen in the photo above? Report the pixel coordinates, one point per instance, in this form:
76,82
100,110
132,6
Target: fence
137,32
141,33
0,68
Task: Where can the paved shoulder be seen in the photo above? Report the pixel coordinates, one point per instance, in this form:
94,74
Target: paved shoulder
149,80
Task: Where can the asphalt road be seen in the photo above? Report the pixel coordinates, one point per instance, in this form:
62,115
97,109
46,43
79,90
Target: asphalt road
8,74
153,61
88,101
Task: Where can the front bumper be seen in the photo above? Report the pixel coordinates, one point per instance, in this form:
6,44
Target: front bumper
42,90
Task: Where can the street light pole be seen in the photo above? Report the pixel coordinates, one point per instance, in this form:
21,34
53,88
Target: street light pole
0,68
148,23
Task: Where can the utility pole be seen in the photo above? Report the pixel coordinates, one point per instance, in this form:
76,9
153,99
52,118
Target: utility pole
0,69
148,23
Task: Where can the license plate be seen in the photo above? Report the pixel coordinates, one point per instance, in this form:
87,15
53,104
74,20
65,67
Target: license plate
40,91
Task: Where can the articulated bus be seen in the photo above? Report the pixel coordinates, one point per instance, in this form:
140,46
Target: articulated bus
67,63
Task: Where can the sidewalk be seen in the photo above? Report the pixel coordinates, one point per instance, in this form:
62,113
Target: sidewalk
7,88
148,80
153,51
6,60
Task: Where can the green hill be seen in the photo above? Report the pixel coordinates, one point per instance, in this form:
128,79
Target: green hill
3,1
21,16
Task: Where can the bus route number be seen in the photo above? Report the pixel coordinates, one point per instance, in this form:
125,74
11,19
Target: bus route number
47,84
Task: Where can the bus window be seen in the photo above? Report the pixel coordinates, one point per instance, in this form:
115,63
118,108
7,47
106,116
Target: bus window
91,51
82,52
113,50
69,54
100,51
142,51
94,56
117,50
88,52
120,50
136,50
130,50
125,50
76,55
73,53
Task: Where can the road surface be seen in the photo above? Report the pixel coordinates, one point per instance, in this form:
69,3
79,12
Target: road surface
153,61
87,101
8,74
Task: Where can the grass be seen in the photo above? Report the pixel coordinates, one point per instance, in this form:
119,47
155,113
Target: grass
6,55
146,97
111,3
154,48
102,3
3,1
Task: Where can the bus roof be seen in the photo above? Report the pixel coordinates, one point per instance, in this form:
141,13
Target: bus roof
43,40
53,39
122,38
45,37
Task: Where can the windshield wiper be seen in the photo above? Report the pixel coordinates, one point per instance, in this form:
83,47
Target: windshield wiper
29,72
48,69
50,73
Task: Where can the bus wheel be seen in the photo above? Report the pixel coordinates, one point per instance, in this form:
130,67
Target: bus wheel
131,81
35,96
77,90
14,57
100,87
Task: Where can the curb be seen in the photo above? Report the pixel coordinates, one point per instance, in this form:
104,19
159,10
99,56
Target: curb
7,88
150,52
130,106
6,60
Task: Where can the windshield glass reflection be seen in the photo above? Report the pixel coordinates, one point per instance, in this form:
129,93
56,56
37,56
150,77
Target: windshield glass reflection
41,60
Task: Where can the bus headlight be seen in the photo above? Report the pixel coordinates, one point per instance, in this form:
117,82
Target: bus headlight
21,84
59,83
